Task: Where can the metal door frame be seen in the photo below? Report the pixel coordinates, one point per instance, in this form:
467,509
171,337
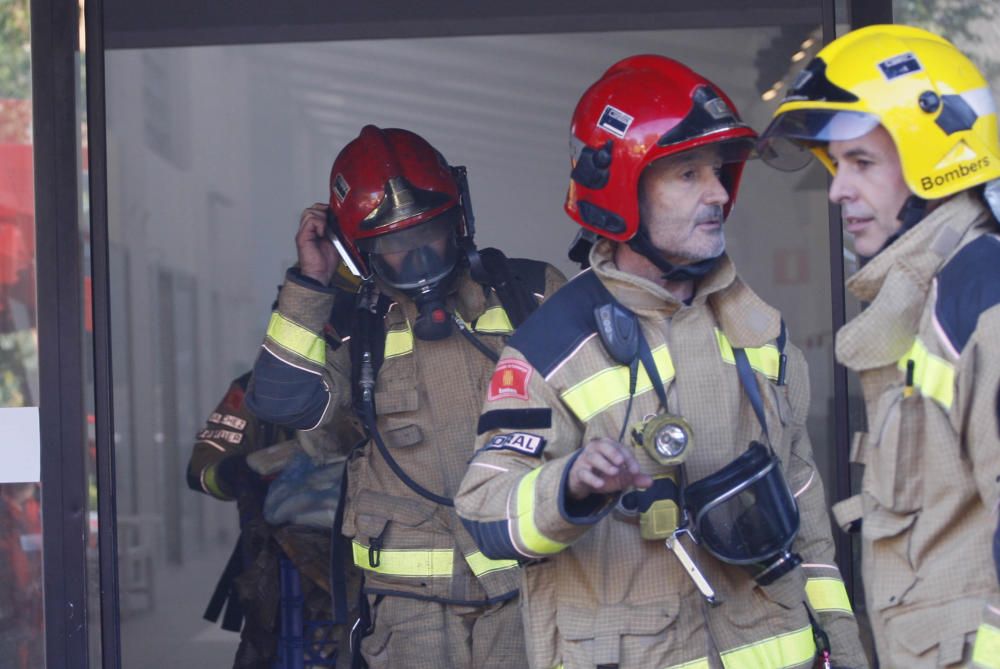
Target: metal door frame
55,86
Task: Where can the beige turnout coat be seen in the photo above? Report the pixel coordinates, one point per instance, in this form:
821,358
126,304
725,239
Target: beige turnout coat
927,349
594,593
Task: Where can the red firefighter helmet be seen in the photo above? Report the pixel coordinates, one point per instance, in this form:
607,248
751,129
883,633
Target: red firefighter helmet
390,192
642,109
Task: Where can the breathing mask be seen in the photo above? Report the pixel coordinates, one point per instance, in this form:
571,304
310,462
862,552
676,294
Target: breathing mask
420,262
745,514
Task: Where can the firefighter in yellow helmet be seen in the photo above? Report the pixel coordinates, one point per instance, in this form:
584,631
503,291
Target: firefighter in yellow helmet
907,126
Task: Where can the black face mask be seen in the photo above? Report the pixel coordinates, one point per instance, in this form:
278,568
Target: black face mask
424,276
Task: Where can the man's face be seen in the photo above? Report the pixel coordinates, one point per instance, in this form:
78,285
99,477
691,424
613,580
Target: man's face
680,205
869,188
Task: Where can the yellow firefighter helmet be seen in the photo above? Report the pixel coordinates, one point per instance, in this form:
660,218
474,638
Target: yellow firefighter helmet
931,99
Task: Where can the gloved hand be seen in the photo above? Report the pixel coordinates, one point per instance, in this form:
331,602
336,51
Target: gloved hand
233,475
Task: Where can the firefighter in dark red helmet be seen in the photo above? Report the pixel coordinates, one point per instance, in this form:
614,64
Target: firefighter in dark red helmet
411,357
643,439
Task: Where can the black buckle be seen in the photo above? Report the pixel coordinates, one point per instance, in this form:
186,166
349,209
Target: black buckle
375,552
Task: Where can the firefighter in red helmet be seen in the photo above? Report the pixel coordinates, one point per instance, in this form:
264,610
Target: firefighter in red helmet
409,354
643,441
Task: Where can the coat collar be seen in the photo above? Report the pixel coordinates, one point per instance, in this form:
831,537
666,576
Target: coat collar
746,319
922,249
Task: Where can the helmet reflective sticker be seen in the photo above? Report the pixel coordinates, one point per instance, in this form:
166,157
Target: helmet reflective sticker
615,121
897,66
340,187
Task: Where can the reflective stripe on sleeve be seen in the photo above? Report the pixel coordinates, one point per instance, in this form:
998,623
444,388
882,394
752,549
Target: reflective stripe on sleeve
398,342
777,652
765,359
210,482
528,535
482,565
404,562
986,652
933,376
609,386
827,594
299,340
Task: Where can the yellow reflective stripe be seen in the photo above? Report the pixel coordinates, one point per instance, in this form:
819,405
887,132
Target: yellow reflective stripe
297,339
785,650
827,594
986,652
211,481
494,321
695,664
610,386
481,565
403,562
933,376
765,359
398,342
530,536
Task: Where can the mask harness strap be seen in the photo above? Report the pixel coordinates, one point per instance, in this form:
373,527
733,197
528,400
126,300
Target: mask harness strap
912,212
749,381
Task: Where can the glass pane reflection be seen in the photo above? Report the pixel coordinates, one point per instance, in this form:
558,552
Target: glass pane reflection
21,622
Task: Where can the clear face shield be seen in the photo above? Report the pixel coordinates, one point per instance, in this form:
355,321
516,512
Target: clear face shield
745,514
786,144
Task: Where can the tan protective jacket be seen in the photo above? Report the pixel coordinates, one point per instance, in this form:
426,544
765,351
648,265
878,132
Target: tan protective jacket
599,594
427,395
932,452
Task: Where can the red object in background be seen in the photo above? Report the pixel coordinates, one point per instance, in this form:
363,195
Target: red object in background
21,572
17,212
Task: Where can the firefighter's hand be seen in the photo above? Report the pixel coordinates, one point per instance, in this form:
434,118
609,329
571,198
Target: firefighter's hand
317,257
605,467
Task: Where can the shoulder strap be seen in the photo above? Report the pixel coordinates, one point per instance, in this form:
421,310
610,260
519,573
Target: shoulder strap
515,281
749,380
367,333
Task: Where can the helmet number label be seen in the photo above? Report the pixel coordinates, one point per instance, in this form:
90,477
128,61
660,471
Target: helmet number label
615,121
898,66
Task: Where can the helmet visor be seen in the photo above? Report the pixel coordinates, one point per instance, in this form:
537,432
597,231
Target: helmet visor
786,142
417,256
745,513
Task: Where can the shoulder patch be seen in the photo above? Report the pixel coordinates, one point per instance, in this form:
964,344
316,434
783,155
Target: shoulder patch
510,381
968,285
524,443
560,324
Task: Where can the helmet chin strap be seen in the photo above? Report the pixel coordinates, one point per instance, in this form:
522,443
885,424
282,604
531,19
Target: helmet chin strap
912,212
641,244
